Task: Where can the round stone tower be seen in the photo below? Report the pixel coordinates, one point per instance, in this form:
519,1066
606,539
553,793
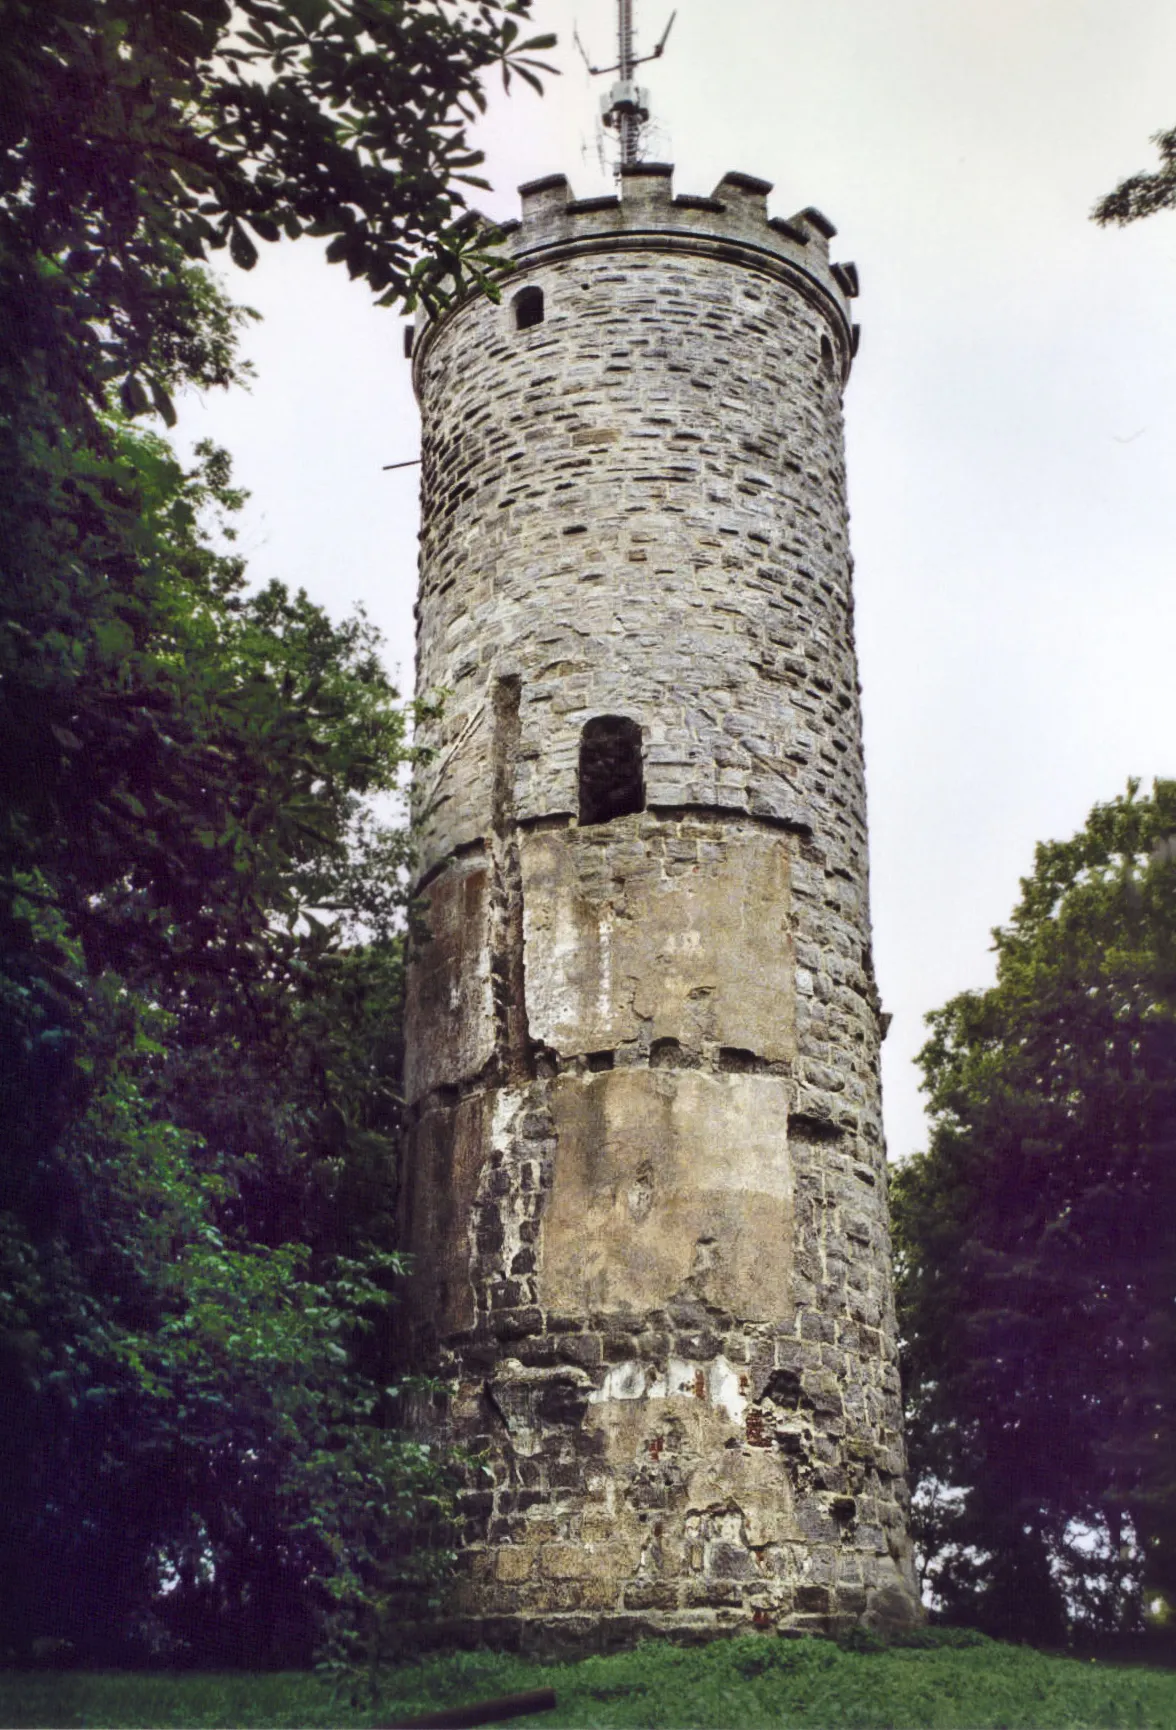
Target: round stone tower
647,1187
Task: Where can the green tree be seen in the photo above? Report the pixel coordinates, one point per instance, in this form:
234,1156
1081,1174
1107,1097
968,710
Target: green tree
137,137
201,1114
199,963
1037,1248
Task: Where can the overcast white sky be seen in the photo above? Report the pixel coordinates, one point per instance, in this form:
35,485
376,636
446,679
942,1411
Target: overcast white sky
1011,416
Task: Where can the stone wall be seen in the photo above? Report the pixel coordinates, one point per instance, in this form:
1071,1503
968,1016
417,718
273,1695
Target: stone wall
647,1183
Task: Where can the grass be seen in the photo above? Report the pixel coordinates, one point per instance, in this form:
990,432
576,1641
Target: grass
731,1685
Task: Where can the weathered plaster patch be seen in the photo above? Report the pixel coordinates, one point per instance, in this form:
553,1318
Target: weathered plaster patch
449,1012
653,1164
678,929
750,1483
446,1156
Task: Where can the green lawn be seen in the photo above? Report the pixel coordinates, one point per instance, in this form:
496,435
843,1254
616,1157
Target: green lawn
731,1685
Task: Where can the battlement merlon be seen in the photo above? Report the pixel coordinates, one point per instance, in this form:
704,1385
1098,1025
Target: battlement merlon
732,223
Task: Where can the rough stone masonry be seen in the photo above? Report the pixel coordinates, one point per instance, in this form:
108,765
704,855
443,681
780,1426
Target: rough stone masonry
647,1186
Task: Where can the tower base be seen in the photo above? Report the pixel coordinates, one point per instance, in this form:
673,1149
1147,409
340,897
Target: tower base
663,1464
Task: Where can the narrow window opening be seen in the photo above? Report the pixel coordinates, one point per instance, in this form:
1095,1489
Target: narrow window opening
612,782
666,1054
528,308
826,357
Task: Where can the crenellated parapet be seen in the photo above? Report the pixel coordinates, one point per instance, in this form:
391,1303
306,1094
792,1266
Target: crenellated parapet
731,224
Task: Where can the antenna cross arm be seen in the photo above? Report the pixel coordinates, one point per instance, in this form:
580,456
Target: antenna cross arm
594,71
603,71
661,47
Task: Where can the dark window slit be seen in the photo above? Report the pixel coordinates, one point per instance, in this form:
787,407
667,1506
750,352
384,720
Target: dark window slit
612,780
528,308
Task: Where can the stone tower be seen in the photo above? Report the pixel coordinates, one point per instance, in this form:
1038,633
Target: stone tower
647,1185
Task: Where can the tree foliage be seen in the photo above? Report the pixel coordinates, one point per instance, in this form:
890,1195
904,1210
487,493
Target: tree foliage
200,967
201,1111
1037,1240
136,138
1143,194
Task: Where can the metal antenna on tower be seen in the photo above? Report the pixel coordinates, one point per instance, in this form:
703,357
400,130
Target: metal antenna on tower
626,107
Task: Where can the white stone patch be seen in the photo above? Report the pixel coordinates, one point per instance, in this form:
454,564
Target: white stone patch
508,1103
627,1381
718,1383
551,929
604,989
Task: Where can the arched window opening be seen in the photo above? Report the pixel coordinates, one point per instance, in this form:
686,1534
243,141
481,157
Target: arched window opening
612,781
528,308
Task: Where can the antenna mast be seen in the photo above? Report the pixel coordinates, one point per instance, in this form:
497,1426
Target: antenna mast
626,107
627,116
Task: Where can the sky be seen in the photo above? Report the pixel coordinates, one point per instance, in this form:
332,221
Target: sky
1010,421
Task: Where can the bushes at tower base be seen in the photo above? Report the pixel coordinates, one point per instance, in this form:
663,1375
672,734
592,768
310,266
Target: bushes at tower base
1037,1251
199,1454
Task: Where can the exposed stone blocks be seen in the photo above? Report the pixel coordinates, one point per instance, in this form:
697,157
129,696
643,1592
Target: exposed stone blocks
647,1186
633,497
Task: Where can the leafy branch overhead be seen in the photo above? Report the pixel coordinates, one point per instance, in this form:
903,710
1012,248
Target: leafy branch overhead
136,140
1143,194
